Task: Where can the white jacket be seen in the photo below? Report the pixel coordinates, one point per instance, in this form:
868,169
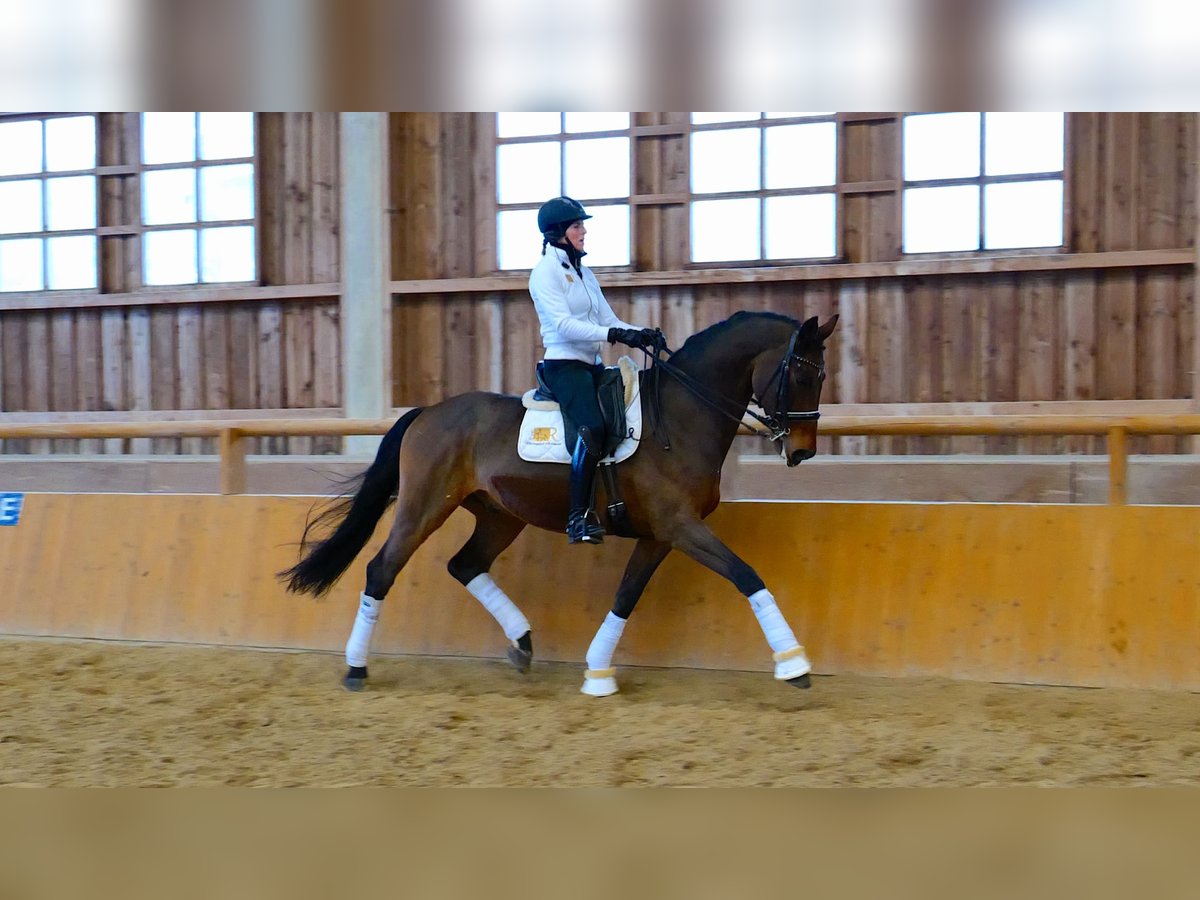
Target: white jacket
575,316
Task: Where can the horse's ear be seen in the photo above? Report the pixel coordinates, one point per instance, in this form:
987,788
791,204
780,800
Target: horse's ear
827,329
808,327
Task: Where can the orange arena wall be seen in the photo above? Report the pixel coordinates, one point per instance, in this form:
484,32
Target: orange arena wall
1080,595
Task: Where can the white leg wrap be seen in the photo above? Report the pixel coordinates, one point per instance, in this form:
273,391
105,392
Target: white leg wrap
360,636
600,653
774,627
790,659
495,601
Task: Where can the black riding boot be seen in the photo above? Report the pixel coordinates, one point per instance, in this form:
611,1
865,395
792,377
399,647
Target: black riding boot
582,524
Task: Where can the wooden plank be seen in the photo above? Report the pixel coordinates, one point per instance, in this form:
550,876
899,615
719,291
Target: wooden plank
1000,342
853,351
483,184
164,355
298,367
1037,362
1157,184
298,205
88,374
217,392
327,374
191,361
271,182
61,371
960,341
141,367
325,197
237,416
1120,181
964,265
1116,336
459,342
678,315
522,346
7,394
647,220
243,362
37,377
854,153
168,297
890,363
1086,200
1158,327
270,366
488,352
883,241
458,246
676,238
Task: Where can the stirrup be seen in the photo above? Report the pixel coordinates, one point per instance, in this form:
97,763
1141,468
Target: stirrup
582,528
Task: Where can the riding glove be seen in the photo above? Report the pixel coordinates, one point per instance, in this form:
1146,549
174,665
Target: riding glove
643,338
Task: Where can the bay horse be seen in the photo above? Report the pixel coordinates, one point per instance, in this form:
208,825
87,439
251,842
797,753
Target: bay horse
463,452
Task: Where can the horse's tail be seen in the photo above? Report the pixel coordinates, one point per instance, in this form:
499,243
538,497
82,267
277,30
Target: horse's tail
353,516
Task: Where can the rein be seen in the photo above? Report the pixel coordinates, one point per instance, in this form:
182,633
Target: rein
778,424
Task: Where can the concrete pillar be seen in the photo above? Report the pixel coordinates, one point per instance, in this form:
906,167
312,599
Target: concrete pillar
366,269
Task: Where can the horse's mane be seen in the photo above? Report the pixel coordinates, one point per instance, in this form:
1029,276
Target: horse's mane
702,340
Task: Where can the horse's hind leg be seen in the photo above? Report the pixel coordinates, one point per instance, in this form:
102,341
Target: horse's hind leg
495,530
600,678
417,517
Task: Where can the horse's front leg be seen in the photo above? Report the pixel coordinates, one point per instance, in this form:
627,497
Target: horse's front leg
697,541
600,679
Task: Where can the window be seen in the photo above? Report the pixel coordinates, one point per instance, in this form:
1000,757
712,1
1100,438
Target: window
982,181
763,186
198,198
583,155
48,204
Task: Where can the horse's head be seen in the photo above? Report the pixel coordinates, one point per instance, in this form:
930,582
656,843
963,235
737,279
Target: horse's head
787,381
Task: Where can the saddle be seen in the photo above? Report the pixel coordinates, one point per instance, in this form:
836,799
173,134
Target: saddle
547,435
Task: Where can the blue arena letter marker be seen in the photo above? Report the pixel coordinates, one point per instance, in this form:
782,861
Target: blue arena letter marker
10,508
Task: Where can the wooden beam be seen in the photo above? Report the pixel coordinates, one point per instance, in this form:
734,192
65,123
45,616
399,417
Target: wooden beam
974,265
168,296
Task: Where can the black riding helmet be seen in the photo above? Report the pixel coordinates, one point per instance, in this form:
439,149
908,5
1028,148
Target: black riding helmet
556,215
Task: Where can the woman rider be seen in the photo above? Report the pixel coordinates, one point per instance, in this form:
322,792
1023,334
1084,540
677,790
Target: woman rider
575,318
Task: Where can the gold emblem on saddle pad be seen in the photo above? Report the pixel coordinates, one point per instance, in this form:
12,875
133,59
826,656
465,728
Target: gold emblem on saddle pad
545,435
570,279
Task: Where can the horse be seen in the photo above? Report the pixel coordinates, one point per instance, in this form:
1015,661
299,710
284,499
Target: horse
462,451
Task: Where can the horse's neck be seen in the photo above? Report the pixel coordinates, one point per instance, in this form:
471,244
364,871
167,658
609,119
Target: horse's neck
723,368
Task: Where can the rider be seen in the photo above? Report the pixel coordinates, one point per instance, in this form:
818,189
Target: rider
575,318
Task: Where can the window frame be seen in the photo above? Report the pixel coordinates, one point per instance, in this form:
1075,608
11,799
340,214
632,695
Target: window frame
981,181
140,228
762,194
561,137
44,175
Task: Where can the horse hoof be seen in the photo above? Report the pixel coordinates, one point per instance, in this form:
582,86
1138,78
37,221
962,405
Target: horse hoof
604,686
355,678
520,659
801,682
792,666
520,652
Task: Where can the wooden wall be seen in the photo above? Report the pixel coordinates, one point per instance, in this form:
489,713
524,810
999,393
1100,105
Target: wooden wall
171,354
1085,334
907,336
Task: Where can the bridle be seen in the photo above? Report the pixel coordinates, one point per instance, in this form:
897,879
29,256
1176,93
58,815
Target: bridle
784,415
777,424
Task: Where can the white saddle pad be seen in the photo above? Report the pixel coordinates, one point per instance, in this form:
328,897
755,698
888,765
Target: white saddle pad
542,436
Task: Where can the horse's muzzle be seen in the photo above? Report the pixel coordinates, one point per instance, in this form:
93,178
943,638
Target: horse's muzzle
798,456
